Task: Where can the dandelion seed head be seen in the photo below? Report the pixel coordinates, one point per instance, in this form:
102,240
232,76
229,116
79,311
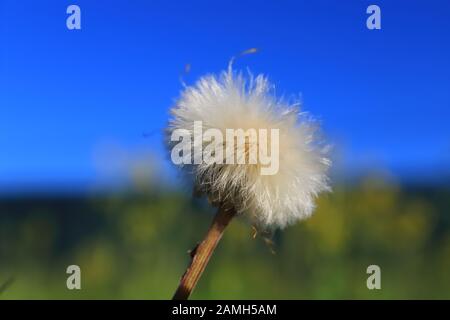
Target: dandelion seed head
232,100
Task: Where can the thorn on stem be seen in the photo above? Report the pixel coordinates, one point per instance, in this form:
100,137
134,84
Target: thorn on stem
192,252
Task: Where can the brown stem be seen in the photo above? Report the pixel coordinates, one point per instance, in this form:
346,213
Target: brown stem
202,252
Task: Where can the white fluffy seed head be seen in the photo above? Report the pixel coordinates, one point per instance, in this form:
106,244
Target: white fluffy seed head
233,101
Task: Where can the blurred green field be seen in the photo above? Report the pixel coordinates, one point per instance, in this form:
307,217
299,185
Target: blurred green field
134,245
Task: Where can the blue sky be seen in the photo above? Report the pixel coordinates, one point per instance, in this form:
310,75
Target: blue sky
383,96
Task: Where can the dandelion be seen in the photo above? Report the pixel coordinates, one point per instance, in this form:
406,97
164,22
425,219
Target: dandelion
248,105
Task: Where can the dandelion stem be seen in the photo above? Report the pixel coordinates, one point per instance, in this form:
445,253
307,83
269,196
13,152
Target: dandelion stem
201,254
